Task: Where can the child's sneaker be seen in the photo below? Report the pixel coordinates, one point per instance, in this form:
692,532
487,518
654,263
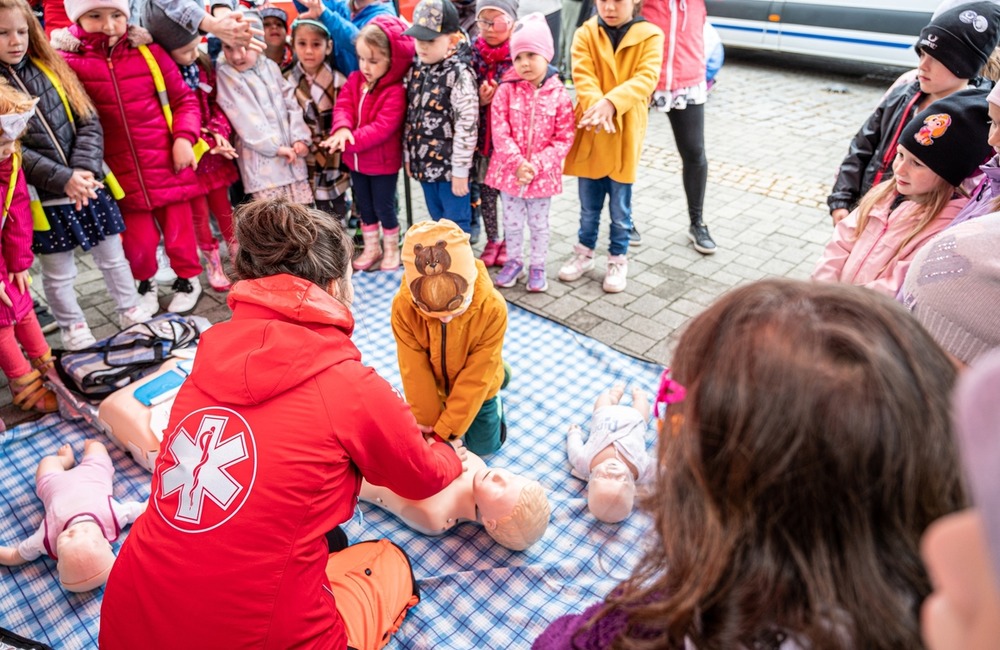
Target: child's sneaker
614,279
77,336
581,262
133,316
508,275
537,282
148,297
490,252
186,294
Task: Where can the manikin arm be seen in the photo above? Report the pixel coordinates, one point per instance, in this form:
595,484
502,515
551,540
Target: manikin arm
579,463
10,557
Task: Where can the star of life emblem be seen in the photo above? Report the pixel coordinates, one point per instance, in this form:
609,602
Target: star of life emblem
208,470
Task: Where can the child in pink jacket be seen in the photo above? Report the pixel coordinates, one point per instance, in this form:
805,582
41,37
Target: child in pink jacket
533,129
938,149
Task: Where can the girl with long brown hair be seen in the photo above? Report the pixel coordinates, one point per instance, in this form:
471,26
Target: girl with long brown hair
938,149
805,446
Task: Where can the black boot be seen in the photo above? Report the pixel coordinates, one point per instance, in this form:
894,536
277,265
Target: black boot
698,234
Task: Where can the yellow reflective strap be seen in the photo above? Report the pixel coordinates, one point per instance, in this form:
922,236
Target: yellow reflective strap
39,222
200,147
54,80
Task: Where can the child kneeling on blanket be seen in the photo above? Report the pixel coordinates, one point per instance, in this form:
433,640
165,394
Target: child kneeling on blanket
449,323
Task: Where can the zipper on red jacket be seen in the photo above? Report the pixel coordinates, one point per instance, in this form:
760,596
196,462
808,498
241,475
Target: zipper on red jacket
444,357
128,133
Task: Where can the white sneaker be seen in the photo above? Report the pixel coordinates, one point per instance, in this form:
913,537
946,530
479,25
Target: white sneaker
186,294
581,262
164,274
133,316
77,336
149,299
614,279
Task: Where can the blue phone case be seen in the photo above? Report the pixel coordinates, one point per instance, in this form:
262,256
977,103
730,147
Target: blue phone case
165,382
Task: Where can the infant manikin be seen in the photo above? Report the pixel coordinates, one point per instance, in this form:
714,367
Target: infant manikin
514,510
614,457
81,518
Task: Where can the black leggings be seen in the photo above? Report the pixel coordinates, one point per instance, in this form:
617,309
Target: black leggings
689,133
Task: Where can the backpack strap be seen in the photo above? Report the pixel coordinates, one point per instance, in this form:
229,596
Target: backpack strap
200,147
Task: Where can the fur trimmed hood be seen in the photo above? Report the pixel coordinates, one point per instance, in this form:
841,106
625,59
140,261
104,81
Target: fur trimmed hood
72,38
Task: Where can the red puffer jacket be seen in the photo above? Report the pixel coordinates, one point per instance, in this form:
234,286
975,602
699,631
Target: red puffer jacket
137,142
683,25
375,117
15,244
269,439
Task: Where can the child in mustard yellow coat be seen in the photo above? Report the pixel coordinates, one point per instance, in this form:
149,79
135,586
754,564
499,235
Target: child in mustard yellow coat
611,118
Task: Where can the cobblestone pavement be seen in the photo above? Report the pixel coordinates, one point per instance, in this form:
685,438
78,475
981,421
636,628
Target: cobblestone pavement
776,129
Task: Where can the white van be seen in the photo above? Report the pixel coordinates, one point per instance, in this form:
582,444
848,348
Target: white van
875,31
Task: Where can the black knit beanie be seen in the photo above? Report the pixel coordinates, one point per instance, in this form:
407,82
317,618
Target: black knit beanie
949,136
962,38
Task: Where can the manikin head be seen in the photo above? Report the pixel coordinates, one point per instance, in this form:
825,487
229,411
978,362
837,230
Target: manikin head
611,491
513,510
85,557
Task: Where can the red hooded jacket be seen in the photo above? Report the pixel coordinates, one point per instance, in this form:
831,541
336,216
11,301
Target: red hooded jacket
15,244
375,117
137,142
270,437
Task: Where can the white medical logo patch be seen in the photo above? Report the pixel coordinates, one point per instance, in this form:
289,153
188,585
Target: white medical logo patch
208,470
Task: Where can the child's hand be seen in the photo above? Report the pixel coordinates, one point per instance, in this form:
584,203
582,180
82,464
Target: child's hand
183,155
839,215
314,8
81,187
462,453
21,280
600,116
300,148
222,147
338,141
287,153
4,298
459,186
486,91
525,173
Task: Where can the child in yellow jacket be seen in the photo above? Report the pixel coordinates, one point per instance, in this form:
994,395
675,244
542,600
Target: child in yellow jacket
611,117
449,322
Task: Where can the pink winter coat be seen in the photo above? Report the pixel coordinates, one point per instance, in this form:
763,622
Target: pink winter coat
375,116
870,259
137,142
15,244
683,25
533,124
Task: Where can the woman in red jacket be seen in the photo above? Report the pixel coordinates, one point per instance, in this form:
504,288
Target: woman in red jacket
269,439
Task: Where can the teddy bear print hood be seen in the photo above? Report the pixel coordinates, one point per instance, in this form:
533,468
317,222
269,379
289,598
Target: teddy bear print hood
439,267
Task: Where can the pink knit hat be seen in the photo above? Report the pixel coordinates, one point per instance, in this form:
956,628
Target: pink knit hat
531,34
76,8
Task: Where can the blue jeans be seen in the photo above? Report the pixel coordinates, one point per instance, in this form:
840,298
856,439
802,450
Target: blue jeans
441,203
592,193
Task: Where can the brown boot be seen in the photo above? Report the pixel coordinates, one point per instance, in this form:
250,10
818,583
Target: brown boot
372,251
30,393
390,248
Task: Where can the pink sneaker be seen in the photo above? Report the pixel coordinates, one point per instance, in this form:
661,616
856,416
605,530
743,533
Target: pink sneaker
537,282
508,275
502,255
489,254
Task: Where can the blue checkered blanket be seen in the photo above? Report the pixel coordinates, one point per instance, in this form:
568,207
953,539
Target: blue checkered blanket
475,593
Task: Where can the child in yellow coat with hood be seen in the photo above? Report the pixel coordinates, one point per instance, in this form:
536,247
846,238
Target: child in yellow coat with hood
617,57
449,322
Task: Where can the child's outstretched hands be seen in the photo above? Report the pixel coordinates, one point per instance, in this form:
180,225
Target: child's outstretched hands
525,173
183,155
81,187
222,146
314,9
486,90
459,186
338,141
600,116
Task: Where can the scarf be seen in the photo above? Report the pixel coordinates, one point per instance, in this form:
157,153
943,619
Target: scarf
189,73
491,65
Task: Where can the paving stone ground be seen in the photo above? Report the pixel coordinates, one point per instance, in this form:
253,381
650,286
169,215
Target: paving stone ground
776,130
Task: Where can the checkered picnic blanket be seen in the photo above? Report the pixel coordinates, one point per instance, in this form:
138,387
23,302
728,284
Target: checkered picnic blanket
475,593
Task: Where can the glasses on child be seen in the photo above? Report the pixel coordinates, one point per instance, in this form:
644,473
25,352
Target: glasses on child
670,392
499,24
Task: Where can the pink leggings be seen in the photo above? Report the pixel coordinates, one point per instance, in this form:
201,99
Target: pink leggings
218,202
28,334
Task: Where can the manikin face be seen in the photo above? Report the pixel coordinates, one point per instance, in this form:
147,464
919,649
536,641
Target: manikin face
186,55
531,67
913,178
612,470
935,79
13,36
963,612
105,20
994,138
496,492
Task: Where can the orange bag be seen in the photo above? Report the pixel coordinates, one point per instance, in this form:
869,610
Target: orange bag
374,587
